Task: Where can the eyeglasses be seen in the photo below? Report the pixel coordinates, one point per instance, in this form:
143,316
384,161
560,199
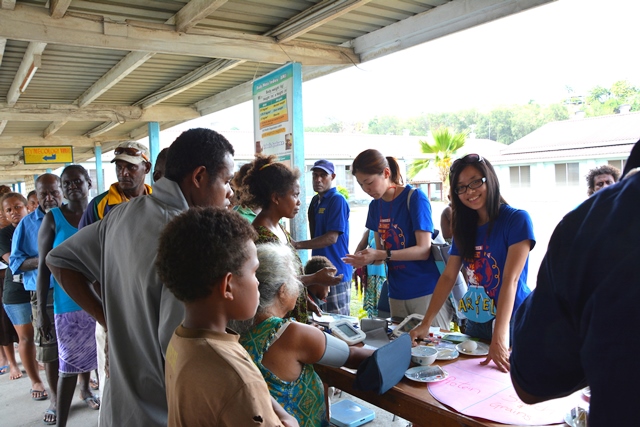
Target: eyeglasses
130,151
466,160
461,189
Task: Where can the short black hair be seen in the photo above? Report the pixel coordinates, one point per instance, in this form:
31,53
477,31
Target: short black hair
199,247
11,195
194,148
80,169
317,263
32,193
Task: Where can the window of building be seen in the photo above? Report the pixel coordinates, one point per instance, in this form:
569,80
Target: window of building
520,176
567,174
619,164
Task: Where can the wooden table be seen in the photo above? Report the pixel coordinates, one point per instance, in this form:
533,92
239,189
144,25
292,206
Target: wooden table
408,399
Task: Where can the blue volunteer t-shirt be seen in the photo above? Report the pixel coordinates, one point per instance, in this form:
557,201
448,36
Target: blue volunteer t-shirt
397,227
332,214
484,272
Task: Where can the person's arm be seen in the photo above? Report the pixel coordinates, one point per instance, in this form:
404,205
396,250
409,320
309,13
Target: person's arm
499,348
325,276
46,236
440,294
19,260
364,242
80,289
327,239
286,419
309,343
421,251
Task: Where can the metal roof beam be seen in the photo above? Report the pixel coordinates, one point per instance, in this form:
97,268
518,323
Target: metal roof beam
441,21
95,113
28,66
57,8
194,12
35,24
313,17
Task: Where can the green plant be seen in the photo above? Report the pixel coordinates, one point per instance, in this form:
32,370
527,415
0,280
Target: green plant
343,190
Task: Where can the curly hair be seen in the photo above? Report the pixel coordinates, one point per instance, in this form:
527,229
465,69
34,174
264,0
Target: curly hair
601,170
317,263
199,247
195,148
266,177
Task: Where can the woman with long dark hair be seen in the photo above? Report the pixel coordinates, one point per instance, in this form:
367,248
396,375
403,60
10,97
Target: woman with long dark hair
405,226
491,242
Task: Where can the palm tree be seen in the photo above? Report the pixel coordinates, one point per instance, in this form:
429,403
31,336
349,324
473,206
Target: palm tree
443,146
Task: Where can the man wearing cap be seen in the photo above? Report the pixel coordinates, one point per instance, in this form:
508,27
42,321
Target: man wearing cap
329,224
132,164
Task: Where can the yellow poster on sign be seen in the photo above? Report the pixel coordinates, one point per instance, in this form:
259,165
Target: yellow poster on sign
59,154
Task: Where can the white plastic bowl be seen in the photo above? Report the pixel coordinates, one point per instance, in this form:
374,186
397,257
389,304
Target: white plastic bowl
423,355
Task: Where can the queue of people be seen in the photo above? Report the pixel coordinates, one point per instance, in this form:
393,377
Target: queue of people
173,291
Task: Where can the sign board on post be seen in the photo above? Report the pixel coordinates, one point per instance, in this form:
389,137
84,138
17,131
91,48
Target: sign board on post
44,155
278,129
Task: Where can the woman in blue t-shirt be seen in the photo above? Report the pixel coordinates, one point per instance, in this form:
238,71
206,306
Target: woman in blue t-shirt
491,243
405,226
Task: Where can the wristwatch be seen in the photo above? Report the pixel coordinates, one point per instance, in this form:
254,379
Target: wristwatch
388,258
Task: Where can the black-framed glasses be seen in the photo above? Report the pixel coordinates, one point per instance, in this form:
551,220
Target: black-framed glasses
477,183
466,160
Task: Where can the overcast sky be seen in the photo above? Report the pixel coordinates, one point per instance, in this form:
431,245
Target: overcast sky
533,55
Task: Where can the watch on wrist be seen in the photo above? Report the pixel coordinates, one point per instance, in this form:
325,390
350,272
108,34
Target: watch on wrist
388,258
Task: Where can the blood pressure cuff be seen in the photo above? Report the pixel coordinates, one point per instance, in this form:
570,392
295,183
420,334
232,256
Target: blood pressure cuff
336,352
385,367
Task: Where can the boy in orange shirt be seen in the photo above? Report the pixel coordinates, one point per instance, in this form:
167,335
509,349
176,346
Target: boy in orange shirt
207,259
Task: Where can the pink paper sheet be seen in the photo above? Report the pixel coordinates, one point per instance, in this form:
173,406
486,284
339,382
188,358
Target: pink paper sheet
485,392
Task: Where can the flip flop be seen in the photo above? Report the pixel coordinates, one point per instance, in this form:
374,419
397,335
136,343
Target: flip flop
94,384
50,412
39,394
92,402
4,369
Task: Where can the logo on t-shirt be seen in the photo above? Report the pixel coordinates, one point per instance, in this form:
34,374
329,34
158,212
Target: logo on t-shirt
483,276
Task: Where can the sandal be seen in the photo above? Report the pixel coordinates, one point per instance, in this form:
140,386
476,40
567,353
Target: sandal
92,402
50,417
39,394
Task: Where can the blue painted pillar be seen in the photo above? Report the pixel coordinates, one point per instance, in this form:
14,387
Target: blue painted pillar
13,188
154,143
97,150
35,178
48,170
20,187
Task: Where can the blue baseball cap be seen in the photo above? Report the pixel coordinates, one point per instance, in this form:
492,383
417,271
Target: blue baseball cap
325,165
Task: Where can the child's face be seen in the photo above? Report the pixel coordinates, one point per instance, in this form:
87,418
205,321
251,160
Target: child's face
245,286
319,291
32,204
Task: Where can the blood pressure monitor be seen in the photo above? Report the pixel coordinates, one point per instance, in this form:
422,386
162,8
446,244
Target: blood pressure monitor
410,322
345,330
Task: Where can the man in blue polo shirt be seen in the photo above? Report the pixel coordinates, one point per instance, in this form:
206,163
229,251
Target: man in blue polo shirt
24,260
329,224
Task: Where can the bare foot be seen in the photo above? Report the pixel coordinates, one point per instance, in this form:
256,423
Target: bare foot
15,372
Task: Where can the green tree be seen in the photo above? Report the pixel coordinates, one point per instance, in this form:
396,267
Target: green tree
386,125
443,145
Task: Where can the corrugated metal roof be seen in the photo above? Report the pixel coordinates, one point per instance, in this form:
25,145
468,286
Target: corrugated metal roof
136,50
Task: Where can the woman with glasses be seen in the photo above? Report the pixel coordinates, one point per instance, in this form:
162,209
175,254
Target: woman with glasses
491,243
405,226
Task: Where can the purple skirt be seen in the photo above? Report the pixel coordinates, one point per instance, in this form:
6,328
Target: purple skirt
76,342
